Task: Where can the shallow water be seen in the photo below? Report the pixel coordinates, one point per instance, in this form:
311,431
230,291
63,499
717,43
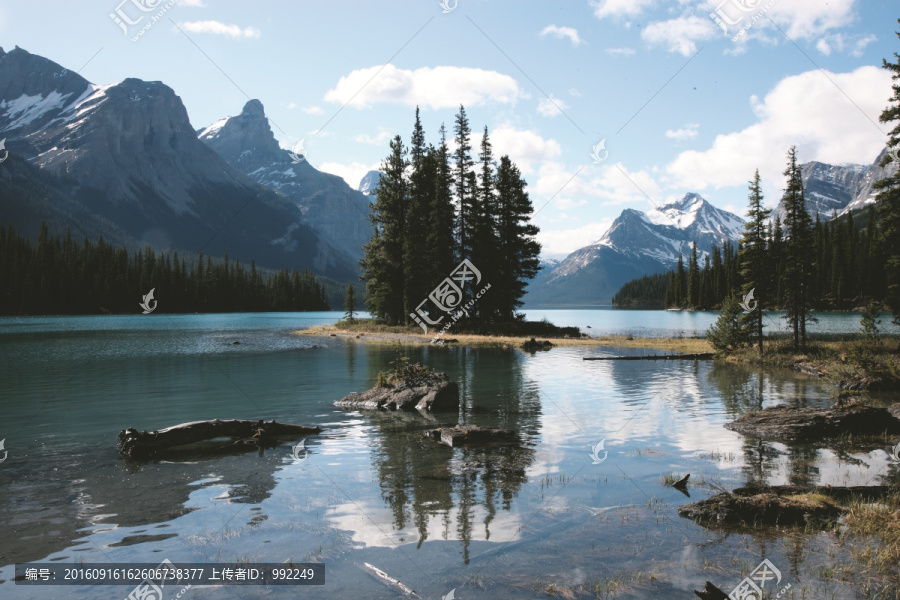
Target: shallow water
490,524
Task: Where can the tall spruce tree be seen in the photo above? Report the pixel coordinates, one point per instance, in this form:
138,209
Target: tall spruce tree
693,291
464,181
418,276
519,250
889,194
798,271
753,257
485,242
382,263
441,248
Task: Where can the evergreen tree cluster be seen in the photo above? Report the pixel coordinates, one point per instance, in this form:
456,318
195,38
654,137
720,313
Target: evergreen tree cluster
646,292
60,276
434,209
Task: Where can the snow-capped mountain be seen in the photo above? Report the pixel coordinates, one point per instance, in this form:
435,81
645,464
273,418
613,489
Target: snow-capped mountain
338,212
369,182
638,243
123,161
833,189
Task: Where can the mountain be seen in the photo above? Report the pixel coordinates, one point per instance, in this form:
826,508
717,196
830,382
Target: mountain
369,181
124,162
335,210
832,189
636,244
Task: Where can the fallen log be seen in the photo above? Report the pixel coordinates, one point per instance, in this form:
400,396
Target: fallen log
389,581
799,424
696,356
142,445
472,434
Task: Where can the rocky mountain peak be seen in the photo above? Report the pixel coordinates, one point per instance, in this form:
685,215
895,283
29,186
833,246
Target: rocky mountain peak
246,141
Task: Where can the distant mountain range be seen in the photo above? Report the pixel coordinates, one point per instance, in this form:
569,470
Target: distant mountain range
124,162
640,243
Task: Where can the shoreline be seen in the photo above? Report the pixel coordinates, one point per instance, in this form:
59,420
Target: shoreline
411,338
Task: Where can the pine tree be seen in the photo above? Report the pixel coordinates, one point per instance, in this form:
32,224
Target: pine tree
518,248
464,182
419,277
382,263
693,297
888,200
680,284
798,252
441,248
727,333
350,302
753,258
484,231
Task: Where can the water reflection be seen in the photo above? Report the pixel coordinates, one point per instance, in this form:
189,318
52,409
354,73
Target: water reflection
456,493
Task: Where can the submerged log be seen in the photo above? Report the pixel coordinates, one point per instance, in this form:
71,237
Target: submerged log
389,581
142,445
783,505
472,434
711,592
695,356
432,392
799,424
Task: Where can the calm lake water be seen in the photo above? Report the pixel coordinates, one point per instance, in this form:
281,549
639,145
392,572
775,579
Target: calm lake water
489,524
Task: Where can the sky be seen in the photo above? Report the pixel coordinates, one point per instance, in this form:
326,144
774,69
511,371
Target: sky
603,104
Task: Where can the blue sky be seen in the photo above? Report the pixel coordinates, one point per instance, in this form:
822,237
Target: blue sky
683,106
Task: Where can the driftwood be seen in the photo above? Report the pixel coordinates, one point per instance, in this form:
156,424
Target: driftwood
711,592
472,434
389,581
143,445
696,356
798,424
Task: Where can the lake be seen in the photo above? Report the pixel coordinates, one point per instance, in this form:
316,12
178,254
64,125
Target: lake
505,523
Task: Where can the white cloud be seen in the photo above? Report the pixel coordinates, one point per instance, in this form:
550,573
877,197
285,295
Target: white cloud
438,87
561,242
681,34
838,42
351,173
607,185
312,110
551,107
620,51
619,8
380,139
805,110
524,147
810,18
219,28
569,33
687,132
